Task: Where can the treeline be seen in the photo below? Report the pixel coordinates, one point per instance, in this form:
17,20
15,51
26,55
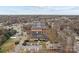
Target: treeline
6,35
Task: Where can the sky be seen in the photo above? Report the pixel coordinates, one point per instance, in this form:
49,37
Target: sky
39,10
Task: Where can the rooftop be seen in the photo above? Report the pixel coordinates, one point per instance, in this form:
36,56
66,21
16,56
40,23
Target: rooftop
38,25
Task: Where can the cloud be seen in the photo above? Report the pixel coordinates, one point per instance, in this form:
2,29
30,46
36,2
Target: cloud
68,10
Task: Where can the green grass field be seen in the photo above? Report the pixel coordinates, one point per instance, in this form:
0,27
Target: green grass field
5,47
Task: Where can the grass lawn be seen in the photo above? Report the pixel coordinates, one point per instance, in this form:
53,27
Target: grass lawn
8,45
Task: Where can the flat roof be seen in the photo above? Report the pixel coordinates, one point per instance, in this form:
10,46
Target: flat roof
39,35
38,25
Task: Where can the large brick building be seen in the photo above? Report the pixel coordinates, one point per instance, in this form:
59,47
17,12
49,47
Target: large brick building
38,30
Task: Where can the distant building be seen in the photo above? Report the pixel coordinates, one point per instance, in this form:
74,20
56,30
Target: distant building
38,30
38,26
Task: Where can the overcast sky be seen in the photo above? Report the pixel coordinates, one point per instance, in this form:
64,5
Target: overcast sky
54,10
